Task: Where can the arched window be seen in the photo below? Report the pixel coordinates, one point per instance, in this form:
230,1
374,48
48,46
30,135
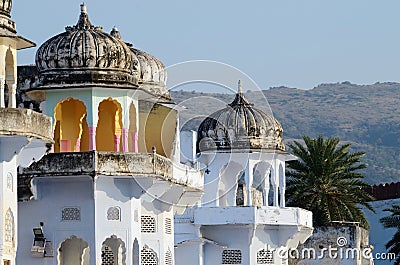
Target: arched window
71,133
9,227
168,258
148,256
114,213
113,251
109,126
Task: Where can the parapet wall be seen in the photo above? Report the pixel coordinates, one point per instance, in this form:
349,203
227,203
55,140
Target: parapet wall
385,191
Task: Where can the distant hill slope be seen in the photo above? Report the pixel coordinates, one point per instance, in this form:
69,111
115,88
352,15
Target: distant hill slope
368,116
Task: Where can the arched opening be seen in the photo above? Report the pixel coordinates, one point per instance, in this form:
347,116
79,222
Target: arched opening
157,128
133,131
109,126
262,191
136,253
74,251
148,256
113,251
228,184
71,129
10,84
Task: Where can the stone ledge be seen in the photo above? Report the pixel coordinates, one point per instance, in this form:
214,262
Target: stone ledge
25,122
95,163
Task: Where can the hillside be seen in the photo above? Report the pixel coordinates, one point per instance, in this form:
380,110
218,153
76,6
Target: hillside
368,116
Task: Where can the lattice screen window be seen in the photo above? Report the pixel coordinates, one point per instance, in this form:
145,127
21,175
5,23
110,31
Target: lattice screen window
71,214
168,226
9,227
114,214
107,256
168,257
265,257
148,256
232,256
148,224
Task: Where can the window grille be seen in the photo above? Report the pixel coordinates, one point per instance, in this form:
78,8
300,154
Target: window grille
265,257
148,224
113,214
148,256
168,258
71,214
107,256
232,256
9,227
168,226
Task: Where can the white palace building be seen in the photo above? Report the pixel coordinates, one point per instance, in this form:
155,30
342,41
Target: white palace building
96,177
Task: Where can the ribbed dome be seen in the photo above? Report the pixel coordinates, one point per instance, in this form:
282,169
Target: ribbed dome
85,54
240,126
152,73
5,7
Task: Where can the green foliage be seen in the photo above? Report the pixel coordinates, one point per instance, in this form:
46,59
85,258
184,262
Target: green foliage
393,221
327,181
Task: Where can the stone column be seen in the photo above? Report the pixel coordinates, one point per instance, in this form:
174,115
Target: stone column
125,145
117,142
135,138
92,138
12,99
266,188
2,99
249,183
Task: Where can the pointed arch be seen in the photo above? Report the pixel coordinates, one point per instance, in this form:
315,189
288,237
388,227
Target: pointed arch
75,251
71,129
228,183
148,256
9,227
113,251
109,126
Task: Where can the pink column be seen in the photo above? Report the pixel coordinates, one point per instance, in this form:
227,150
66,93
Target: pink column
78,145
134,136
117,142
125,140
92,138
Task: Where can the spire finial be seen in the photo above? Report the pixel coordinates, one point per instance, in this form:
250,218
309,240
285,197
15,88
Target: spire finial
83,8
240,88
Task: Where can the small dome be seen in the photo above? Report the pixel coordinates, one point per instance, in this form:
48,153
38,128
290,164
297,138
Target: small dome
240,126
151,74
5,7
85,54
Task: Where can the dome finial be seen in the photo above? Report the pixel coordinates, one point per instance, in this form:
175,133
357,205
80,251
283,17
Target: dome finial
83,8
240,88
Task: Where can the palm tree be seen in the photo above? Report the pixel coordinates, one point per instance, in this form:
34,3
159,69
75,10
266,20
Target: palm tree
326,180
393,221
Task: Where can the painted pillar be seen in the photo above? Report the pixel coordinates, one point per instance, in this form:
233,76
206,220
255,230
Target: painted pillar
135,138
92,138
117,142
12,99
78,145
2,100
125,135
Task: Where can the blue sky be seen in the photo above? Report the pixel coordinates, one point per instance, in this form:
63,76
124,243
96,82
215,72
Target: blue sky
299,43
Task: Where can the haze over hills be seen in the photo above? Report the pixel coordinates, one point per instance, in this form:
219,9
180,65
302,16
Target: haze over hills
368,116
